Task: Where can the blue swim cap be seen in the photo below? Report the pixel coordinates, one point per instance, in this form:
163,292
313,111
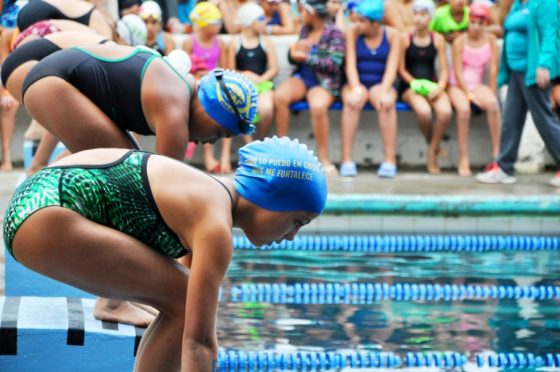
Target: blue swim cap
371,9
230,99
281,175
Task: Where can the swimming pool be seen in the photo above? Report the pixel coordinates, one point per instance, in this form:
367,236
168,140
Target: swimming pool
256,316
327,302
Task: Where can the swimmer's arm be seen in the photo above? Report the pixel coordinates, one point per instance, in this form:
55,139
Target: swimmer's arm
212,252
163,101
171,132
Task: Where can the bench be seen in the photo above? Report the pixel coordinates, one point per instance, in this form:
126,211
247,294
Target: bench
337,106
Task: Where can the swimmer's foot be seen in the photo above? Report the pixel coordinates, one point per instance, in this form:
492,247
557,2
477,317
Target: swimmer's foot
146,308
121,312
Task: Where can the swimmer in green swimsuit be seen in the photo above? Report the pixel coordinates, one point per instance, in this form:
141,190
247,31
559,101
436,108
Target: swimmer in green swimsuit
111,222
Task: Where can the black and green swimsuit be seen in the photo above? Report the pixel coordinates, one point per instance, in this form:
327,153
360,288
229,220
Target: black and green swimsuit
116,195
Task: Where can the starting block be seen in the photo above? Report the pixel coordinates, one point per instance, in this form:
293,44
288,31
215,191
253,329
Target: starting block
56,334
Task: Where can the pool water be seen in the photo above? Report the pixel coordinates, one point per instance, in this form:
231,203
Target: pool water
466,326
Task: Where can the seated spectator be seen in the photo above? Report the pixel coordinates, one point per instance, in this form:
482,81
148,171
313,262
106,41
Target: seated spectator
318,56
336,11
74,10
451,20
204,45
252,54
494,25
474,52
529,63
398,14
159,40
278,17
372,55
420,90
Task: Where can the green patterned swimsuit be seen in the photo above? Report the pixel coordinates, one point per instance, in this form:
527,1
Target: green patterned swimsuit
116,195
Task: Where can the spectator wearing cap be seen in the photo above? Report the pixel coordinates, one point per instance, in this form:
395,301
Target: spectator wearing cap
451,19
159,40
209,52
474,52
494,25
530,61
252,54
372,58
279,19
318,56
422,87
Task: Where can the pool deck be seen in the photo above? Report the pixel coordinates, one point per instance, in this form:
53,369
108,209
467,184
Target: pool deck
407,183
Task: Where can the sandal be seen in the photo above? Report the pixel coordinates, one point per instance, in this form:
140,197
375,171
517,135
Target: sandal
387,170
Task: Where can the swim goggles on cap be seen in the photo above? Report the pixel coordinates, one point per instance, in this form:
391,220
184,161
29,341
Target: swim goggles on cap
243,124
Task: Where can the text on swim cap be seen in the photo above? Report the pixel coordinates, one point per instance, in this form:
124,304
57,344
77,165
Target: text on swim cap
269,167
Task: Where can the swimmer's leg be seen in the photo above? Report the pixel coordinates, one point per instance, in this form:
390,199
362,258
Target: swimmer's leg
72,117
106,262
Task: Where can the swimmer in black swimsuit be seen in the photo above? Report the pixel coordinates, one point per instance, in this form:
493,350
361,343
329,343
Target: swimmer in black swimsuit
112,89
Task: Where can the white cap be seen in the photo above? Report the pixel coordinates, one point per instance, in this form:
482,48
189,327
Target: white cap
249,13
424,5
150,9
180,61
132,29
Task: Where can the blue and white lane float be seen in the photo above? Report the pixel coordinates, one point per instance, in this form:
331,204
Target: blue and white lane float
61,334
409,243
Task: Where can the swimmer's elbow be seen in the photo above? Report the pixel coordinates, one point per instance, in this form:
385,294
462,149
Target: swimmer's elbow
198,354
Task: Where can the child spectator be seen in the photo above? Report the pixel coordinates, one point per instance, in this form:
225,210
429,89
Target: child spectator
474,52
372,54
279,19
451,19
420,90
204,45
150,12
318,56
252,54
